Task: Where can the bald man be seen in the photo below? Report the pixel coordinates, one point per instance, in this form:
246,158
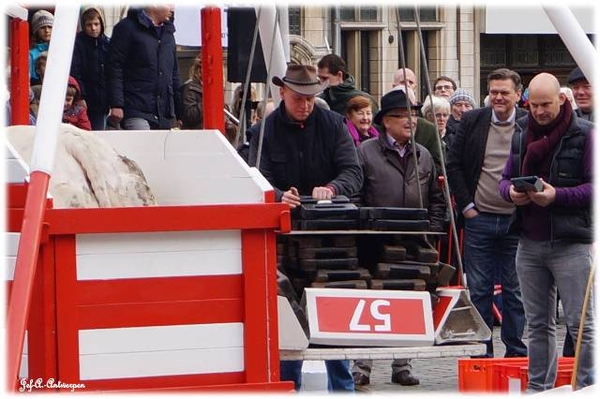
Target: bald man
555,226
405,75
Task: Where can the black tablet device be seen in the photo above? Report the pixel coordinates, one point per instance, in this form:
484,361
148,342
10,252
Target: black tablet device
527,183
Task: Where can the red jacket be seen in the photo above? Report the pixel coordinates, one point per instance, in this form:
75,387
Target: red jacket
76,115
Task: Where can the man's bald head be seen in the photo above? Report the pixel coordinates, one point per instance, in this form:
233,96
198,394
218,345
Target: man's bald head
405,75
544,82
545,98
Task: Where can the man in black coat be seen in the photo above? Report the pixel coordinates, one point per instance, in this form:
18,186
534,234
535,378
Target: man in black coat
142,72
308,150
475,161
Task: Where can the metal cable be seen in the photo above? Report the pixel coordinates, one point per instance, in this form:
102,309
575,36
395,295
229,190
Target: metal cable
262,121
438,140
413,143
242,125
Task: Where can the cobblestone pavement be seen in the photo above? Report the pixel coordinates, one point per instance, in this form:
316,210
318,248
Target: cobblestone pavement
436,375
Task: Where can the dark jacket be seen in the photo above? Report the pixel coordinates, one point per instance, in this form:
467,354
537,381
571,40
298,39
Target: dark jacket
570,174
142,71
392,182
88,67
338,96
465,158
314,153
191,97
425,134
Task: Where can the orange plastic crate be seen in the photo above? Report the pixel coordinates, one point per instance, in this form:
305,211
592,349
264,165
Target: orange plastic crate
492,374
563,374
509,378
481,374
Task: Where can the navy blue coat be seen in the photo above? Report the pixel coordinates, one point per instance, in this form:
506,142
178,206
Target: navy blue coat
142,71
88,67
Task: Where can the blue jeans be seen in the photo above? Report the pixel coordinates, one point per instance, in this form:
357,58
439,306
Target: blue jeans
339,377
543,267
135,124
490,249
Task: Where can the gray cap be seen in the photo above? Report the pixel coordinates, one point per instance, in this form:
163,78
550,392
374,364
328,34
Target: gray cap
462,95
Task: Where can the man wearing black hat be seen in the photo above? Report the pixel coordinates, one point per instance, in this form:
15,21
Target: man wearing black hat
308,150
391,180
583,94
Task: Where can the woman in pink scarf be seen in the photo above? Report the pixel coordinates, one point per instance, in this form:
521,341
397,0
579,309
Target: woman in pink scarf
359,119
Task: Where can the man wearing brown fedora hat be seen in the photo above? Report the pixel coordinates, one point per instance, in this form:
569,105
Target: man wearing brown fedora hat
308,150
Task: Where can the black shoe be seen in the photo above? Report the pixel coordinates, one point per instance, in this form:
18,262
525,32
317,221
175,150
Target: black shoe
360,379
405,378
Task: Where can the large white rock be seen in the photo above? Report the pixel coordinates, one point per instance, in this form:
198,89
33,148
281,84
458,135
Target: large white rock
88,172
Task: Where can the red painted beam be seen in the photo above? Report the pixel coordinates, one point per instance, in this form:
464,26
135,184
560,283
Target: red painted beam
22,287
212,69
19,72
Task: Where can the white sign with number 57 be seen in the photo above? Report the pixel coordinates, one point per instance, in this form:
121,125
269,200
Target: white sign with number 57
348,317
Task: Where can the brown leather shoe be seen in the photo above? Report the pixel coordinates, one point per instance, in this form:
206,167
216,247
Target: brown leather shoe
405,378
360,379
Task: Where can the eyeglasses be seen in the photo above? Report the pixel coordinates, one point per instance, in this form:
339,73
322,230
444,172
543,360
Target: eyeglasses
442,115
403,115
444,87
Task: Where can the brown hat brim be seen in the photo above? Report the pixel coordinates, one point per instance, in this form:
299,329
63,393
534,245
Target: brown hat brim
311,89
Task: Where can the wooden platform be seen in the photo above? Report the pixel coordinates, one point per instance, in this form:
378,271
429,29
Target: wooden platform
415,352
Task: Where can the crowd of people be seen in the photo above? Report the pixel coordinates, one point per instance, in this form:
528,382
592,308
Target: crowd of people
526,241
328,138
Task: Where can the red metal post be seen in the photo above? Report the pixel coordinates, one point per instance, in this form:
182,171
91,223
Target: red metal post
27,257
19,72
212,69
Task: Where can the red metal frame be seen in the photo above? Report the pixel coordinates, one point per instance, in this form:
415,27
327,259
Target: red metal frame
61,305
19,72
250,298
25,269
212,69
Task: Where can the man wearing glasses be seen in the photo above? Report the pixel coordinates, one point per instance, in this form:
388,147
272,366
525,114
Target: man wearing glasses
444,86
391,180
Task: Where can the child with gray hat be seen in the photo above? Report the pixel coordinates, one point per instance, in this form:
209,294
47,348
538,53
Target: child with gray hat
41,30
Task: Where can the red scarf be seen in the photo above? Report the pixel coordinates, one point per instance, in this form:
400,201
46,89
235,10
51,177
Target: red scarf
541,142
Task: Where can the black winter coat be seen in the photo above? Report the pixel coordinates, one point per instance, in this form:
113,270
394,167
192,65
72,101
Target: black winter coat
142,71
313,153
88,68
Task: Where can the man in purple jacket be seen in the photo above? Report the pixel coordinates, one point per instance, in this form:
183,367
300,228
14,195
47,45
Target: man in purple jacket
555,226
